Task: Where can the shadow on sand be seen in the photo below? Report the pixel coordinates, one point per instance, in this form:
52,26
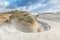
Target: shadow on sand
45,26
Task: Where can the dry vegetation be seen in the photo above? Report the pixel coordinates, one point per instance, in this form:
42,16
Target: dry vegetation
23,17
20,15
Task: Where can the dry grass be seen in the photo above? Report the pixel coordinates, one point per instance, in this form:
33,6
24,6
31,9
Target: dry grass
20,15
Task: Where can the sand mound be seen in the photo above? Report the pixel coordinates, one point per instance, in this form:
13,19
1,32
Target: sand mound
22,20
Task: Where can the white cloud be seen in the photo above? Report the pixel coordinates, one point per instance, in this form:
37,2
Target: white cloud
55,5
32,7
3,4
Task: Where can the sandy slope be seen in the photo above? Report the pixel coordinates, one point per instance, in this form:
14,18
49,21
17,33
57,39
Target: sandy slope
7,33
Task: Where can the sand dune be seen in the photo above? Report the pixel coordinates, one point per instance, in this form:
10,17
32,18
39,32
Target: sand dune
51,27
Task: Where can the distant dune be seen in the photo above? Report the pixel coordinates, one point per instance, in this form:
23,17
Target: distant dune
54,16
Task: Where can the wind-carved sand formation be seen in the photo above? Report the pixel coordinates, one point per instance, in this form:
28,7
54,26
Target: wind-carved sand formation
21,20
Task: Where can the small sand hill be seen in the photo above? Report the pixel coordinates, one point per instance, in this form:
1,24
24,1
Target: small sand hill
22,21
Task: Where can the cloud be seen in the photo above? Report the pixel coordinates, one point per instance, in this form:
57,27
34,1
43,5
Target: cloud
55,6
31,5
3,4
38,7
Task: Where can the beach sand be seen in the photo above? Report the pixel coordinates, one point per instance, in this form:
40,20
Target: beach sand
10,33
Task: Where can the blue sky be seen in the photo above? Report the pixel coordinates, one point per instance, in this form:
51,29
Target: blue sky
33,6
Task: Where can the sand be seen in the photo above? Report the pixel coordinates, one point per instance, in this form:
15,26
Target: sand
10,33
